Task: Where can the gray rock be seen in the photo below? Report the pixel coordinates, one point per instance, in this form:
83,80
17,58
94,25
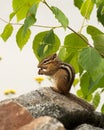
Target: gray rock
46,102
87,127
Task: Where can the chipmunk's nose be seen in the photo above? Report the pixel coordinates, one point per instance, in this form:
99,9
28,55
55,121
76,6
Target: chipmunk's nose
38,66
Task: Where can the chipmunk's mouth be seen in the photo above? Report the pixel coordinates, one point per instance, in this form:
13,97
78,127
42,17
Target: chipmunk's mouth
43,69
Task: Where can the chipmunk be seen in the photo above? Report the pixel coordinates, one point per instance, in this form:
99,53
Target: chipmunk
63,74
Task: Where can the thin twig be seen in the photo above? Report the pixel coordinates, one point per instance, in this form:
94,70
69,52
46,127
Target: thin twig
3,20
47,4
83,22
49,27
42,26
70,27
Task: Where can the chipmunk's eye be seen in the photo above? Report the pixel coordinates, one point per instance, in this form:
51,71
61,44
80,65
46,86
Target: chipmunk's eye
45,61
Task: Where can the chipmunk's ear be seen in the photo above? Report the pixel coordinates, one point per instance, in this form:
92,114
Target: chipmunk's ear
54,56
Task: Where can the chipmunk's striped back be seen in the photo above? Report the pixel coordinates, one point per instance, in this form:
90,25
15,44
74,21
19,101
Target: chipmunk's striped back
70,71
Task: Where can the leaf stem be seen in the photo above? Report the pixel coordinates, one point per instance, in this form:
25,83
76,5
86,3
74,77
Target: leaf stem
3,20
42,26
83,22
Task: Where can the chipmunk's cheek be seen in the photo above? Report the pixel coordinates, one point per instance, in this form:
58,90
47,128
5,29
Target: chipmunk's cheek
41,71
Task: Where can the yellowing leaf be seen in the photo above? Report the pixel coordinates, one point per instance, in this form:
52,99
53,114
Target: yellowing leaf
21,7
7,32
22,40
87,8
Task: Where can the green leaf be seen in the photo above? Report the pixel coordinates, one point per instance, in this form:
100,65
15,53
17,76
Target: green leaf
98,2
98,38
94,77
60,16
79,93
76,81
88,97
21,7
30,19
84,83
99,83
45,43
7,32
91,61
96,99
100,15
88,86
102,11
93,31
99,43
102,109
102,90
78,3
80,70
62,53
20,39
87,8
75,42
12,15
73,45
50,37
94,85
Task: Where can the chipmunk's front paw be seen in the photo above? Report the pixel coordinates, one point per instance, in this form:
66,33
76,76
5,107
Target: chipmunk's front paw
40,71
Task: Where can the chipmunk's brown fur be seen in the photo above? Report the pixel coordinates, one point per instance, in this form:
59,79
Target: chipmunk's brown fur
63,75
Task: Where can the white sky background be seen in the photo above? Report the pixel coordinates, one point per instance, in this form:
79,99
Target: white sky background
18,68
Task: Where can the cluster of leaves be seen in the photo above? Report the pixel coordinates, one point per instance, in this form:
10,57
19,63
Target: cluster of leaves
87,59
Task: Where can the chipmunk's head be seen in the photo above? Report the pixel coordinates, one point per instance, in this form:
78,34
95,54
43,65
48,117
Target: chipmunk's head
46,61
49,63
